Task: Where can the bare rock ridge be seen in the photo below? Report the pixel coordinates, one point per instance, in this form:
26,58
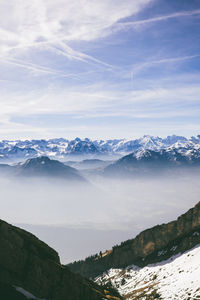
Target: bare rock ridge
29,264
152,245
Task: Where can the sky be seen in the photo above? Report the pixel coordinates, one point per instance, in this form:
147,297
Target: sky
99,69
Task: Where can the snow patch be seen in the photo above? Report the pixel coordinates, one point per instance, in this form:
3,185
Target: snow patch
175,278
26,293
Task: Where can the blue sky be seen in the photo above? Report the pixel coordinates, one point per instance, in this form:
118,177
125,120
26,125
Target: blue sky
99,69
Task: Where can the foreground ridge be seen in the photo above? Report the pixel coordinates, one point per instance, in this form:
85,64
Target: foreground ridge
30,269
175,278
168,239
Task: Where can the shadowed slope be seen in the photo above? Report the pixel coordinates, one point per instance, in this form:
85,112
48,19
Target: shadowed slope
31,265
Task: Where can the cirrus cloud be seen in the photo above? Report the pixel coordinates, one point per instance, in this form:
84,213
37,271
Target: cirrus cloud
27,24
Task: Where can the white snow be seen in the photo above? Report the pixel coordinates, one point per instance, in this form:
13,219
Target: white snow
175,278
60,147
26,293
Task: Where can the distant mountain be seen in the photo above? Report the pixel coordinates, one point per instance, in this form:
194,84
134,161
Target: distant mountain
140,162
42,167
162,262
30,269
144,160
89,164
63,148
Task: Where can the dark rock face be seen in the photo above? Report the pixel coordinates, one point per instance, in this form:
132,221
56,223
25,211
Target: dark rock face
8,292
171,238
28,263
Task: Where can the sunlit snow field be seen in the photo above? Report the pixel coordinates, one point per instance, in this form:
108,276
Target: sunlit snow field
175,278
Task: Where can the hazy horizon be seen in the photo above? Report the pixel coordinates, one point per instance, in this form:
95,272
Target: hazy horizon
103,213
101,138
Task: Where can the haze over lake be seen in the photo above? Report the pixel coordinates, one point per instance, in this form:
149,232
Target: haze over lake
94,216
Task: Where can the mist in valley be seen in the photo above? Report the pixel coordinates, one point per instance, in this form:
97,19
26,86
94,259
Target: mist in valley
80,219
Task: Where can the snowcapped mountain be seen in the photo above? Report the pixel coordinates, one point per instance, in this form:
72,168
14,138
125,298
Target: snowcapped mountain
145,160
62,148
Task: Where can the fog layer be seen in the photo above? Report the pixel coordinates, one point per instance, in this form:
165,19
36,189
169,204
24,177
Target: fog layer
78,220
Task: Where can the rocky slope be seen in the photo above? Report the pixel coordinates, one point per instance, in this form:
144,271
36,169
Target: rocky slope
150,246
174,279
29,269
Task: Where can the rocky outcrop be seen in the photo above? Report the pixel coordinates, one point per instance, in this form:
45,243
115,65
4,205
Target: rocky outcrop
30,264
167,239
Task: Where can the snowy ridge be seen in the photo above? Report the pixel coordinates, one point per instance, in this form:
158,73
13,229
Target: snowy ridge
175,278
146,161
61,147
170,154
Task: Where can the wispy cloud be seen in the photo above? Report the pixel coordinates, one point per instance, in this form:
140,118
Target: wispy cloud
128,25
59,41
38,69
139,67
92,102
62,49
41,24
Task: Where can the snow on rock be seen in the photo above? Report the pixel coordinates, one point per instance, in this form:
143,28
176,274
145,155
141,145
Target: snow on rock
176,278
61,147
26,293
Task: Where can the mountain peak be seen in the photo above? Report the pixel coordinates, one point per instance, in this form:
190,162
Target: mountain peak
36,160
44,166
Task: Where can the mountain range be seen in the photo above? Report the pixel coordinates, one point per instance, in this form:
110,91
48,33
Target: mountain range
140,162
143,161
63,148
